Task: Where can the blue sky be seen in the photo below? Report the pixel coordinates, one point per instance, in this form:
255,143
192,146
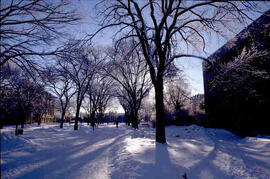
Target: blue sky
192,67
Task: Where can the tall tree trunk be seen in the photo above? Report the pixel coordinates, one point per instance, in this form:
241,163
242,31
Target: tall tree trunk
62,119
127,118
160,120
132,117
88,119
22,124
92,116
77,117
78,102
39,119
18,116
16,129
22,121
135,119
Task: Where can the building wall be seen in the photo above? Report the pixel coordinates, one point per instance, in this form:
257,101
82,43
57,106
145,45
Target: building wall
235,108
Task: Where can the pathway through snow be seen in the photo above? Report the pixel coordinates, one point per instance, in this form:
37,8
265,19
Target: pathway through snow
109,152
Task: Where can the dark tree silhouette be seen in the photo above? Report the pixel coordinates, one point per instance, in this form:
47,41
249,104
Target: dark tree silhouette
128,68
21,98
159,26
27,27
81,64
99,93
61,85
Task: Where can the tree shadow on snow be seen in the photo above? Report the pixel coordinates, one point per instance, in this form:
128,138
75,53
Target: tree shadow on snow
67,161
143,166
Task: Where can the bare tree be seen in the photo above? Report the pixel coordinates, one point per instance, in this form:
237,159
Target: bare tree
42,107
28,27
148,109
176,93
99,94
160,26
235,73
125,102
14,95
106,94
130,71
21,98
81,64
60,84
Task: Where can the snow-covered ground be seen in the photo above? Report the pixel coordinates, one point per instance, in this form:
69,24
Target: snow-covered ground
109,152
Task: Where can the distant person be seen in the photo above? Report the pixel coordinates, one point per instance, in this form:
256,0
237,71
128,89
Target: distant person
116,124
93,124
